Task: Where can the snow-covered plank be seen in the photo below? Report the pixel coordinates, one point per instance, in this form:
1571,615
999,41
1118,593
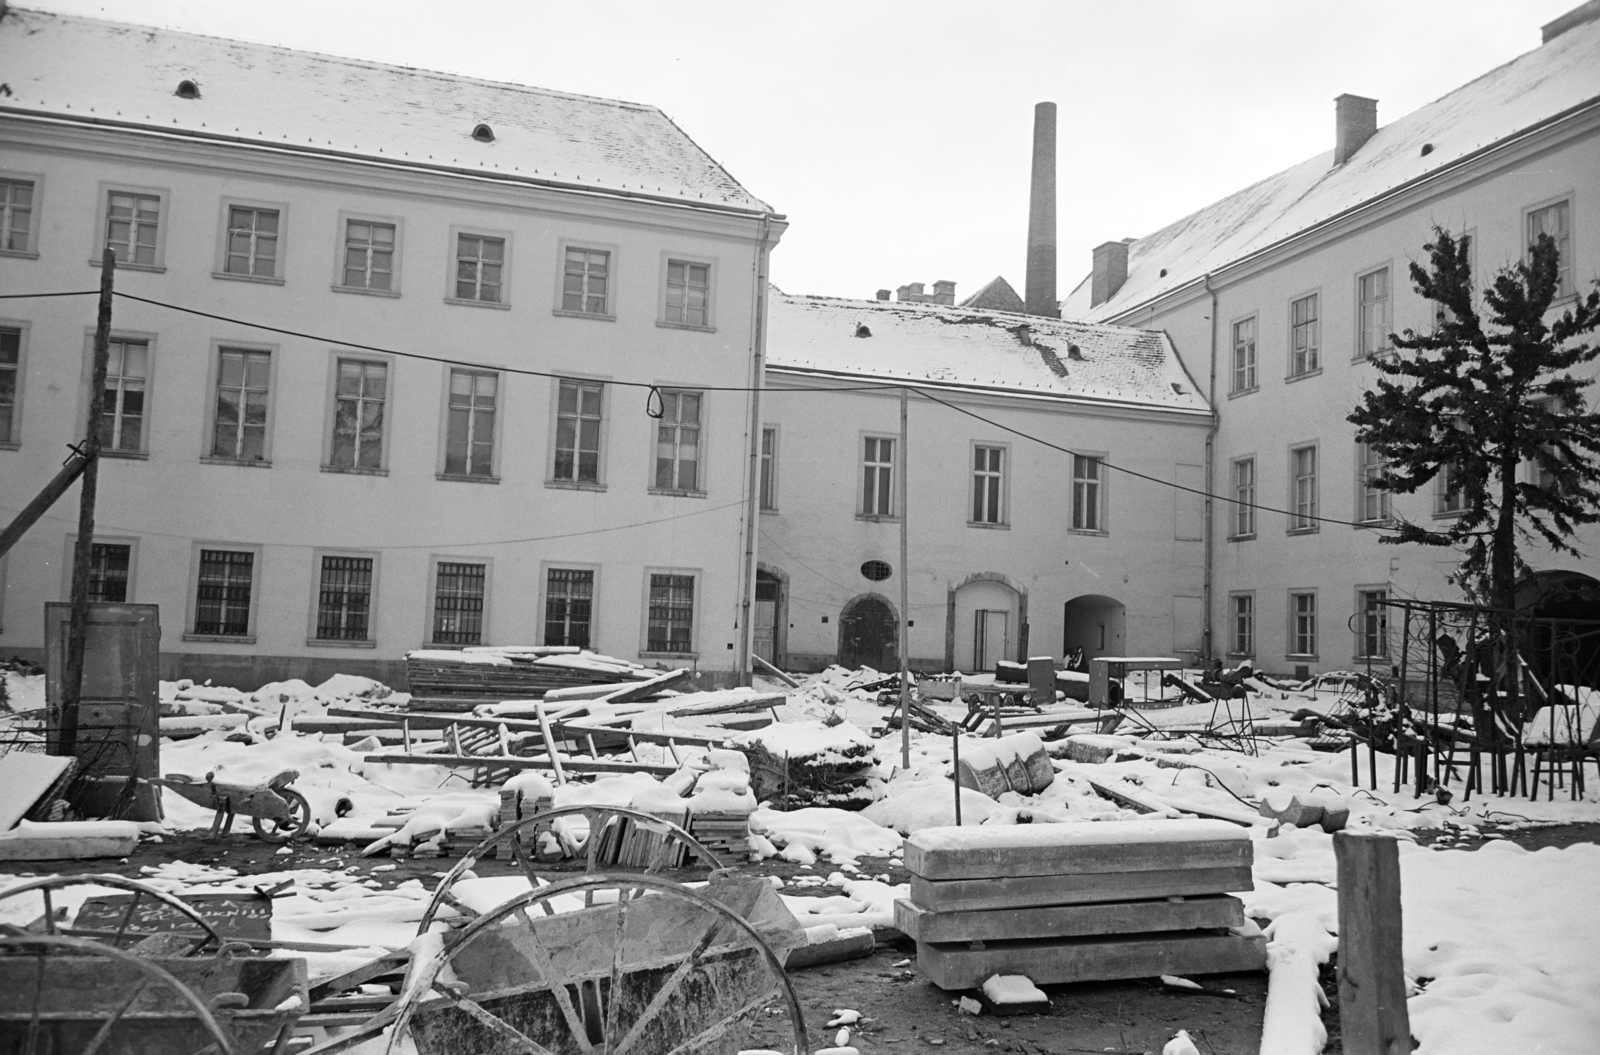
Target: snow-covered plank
955,895
1054,849
1068,921
1054,961
26,777
68,840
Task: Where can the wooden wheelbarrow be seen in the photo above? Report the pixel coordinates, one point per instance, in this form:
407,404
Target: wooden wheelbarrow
276,811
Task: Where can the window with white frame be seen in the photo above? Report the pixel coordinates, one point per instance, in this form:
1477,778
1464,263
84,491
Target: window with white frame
133,223
578,421
1448,498
122,418
688,293
1244,354
459,588
1303,488
678,442
877,476
239,431
1302,623
769,469
344,598
480,261
252,242
361,393
222,598
568,606
1305,334
1372,503
1372,624
369,255
1376,312
469,430
10,382
16,215
671,618
988,475
1086,511
1244,497
1242,623
109,563
586,281
1555,220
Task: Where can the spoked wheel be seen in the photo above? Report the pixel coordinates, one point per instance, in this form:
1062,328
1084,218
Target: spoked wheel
283,831
59,997
605,964
666,845
122,934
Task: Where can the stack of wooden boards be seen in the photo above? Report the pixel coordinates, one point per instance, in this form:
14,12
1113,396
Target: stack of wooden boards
1079,902
446,680
724,833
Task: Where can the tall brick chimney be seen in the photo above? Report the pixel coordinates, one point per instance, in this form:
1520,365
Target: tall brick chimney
1041,285
1355,122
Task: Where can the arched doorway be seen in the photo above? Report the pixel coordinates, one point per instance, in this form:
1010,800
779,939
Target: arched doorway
987,622
769,624
1094,624
1563,644
868,634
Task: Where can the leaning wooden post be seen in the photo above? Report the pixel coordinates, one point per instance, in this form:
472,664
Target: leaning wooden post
1373,1017
955,763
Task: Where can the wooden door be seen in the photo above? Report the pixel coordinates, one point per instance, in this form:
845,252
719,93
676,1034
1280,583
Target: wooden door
867,635
991,637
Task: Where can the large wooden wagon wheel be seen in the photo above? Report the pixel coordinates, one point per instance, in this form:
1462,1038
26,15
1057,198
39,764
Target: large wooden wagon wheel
123,935
651,967
42,1016
671,840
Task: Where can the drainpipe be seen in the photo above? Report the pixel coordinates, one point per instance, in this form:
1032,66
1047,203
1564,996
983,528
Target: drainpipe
752,513
1211,441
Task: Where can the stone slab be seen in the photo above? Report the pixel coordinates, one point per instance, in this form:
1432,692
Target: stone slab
1055,961
1067,921
954,895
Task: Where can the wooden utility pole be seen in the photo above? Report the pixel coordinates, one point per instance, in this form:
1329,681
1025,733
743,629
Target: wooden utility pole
905,593
72,679
1373,1018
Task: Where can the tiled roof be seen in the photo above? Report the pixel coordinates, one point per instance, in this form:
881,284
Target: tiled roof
108,72
963,348
1545,82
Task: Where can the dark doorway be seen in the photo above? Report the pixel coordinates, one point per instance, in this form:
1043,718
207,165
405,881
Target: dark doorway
769,600
868,631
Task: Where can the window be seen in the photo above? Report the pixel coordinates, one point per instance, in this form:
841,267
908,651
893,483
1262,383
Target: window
108,571
769,469
1086,512
688,293
1448,499
1376,312
1302,624
222,601
1372,504
369,255
1303,488
458,592
1243,623
578,419
469,437
122,419
671,623
1244,355
986,476
360,394
1554,220
16,215
585,284
480,261
1372,624
678,442
10,383
240,429
1304,336
877,477
132,226
1244,495
1541,475
568,606
344,599
252,242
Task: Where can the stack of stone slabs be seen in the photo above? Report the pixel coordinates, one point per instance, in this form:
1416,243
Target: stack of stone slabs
1079,902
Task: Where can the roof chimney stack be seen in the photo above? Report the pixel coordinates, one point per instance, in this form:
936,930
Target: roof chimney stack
1550,30
1110,272
1355,122
1041,285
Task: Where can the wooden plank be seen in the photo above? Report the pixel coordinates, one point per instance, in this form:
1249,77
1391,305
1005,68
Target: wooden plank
838,950
26,777
1070,921
640,689
1051,962
1373,1018
576,765
1073,858
68,848
775,672
1125,794
954,895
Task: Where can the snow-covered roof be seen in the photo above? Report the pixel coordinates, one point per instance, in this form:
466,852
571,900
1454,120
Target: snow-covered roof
1545,82
949,347
115,74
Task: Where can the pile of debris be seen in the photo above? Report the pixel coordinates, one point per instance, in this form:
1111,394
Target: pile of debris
812,763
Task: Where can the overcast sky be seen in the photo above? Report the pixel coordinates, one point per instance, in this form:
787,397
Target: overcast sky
896,136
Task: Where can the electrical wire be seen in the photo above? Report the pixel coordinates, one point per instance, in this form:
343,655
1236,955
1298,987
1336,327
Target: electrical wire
42,296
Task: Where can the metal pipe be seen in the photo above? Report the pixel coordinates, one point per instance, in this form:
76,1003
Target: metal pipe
743,674
1207,627
905,591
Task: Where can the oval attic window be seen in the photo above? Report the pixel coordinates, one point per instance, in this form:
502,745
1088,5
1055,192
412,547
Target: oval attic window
877,570
187,90
483,133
